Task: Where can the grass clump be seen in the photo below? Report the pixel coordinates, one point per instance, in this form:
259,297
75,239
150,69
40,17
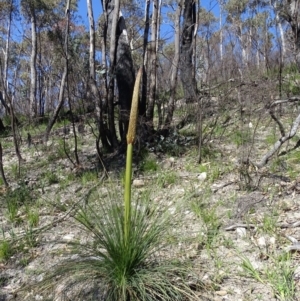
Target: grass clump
5,250
149,164
15,199
126,268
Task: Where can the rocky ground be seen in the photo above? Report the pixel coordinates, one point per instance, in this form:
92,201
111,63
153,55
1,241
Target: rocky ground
240,226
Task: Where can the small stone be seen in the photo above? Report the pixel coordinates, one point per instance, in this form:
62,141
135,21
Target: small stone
202,176
221,293
241,232
40,278
272,240
138,183
297,273
68,237
261,242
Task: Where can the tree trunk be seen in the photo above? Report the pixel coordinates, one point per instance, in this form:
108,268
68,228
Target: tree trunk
6,56
33,107
174,68
152,62
121,68
124,75
92,80
112,8
1,168
188,82
63,79
143,105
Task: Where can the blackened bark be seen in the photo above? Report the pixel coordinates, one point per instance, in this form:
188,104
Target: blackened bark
121,65
174,68
124,75
186,64
142,106
1,168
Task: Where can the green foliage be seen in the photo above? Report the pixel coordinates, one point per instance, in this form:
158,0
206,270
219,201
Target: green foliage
291,81
250,270
30,239
50,177
172,145
5,250
210,219
269,223
33,217
209,152
271,139
15,199
281,277
166,178
15,170
89,176
241,137
124,269
148,164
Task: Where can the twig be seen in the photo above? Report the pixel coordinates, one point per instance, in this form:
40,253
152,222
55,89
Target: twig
282,226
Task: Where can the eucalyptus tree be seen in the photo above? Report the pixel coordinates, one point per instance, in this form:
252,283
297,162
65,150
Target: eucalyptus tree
152,62
186,59
8,10
236,10
289,11
175,66
65,72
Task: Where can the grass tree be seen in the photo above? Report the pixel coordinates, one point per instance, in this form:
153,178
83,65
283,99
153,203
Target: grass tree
121,258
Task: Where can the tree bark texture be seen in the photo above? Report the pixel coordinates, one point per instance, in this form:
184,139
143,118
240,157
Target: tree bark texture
186,65
153,63
33,73
143,104
63,79
174,67
92,79
121,67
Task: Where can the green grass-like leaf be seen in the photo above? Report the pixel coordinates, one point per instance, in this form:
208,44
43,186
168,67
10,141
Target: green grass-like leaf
124,269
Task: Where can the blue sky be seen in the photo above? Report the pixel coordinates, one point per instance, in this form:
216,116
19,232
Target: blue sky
82,10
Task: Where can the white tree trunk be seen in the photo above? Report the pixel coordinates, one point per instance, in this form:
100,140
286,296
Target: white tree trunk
33,73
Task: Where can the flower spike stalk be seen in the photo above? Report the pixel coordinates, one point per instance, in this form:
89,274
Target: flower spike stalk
130,141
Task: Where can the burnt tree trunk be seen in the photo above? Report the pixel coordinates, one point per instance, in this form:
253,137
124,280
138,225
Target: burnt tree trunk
186,58
121,67
124,75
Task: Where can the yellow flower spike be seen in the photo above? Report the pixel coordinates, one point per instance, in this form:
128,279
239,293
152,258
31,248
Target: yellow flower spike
130,141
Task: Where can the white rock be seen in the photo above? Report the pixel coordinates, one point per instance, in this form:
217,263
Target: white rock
297,272
68,237
241,232
202,176
272,240
138,183
261,242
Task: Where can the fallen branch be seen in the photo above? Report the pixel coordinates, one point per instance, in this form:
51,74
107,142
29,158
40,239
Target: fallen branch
278,143
252,226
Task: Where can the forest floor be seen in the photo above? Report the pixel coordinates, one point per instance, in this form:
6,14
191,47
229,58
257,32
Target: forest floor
239,224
